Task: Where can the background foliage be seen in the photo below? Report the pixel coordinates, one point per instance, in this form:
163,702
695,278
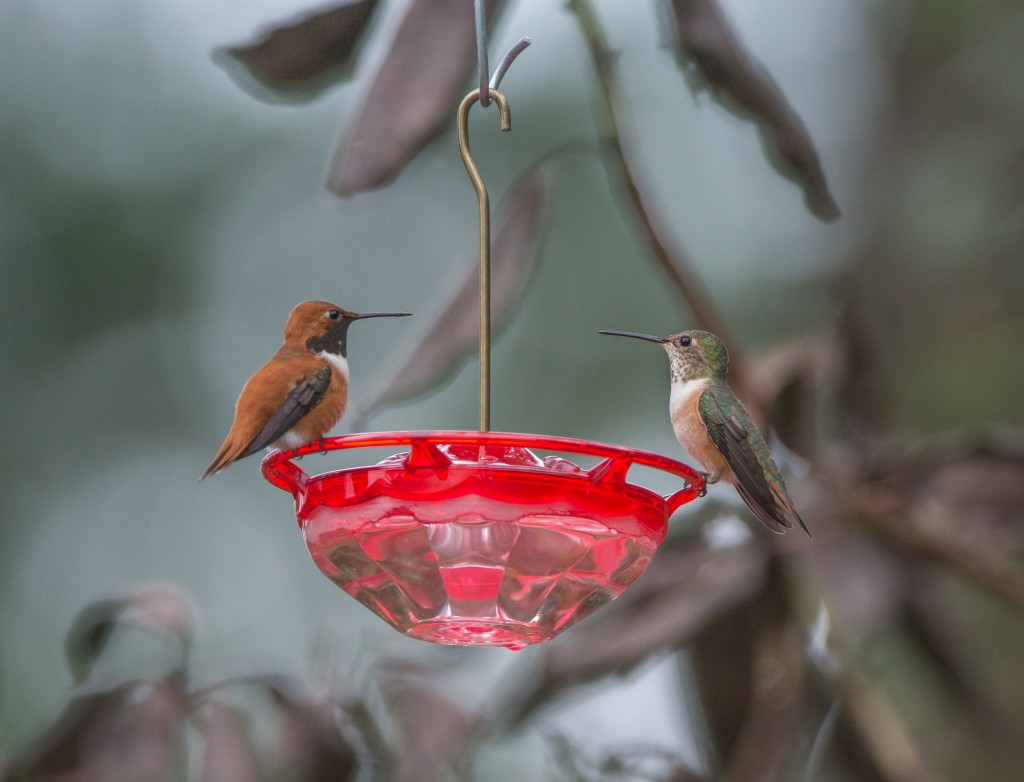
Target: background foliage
158,223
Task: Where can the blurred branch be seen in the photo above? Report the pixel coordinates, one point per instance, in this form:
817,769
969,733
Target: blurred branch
934,632
384,760
995,442
769,732
893,520
746,682
881,727
672,259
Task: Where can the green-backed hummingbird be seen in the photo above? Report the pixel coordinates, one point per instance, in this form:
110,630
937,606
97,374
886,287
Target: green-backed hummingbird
715,428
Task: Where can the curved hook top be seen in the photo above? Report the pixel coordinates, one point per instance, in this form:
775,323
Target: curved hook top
463,125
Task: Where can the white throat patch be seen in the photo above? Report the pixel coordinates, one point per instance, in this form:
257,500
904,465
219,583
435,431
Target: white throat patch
683,393
339,362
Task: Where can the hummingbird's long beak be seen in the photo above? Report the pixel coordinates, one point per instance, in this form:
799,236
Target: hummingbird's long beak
357,316
648,337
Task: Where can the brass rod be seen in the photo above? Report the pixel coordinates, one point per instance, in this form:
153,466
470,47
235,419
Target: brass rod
485,242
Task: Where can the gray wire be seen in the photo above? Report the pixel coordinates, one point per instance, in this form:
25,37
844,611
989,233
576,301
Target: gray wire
481,50
506,61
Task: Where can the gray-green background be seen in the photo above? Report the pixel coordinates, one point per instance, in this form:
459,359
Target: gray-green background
157,224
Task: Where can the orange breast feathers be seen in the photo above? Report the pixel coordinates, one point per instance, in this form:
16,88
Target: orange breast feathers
691,431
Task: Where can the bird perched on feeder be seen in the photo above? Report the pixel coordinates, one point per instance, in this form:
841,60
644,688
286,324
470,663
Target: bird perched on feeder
300,394
715,428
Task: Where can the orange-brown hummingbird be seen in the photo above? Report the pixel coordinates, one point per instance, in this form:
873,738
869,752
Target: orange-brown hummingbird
715,428
300,394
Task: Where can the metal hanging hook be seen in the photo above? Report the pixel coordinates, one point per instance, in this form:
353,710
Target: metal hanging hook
487,91
485,242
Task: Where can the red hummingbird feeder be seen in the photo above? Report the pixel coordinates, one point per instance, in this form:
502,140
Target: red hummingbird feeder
471,538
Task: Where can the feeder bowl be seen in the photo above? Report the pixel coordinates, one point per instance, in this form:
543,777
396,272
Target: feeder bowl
469,538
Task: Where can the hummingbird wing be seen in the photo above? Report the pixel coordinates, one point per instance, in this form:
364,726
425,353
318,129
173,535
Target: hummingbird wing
242,441
306,395
758,479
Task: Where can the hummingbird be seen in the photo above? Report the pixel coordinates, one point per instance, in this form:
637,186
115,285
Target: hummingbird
716,429
300,394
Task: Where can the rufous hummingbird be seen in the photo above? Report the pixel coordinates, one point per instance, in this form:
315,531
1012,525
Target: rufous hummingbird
716,430
300,394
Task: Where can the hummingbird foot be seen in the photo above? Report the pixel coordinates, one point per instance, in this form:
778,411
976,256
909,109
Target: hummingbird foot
704,484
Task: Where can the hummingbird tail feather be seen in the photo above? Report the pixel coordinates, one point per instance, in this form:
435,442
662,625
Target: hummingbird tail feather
772,517
223,458
802,525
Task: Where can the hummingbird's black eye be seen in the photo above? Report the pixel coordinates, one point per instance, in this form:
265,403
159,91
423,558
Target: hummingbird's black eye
333,314
685,341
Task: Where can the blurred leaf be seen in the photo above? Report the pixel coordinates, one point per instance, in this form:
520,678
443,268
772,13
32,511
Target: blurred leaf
229,753
160,608
721,659
313,737
131,733
684,589
310,741
452,333
413,96
739,81
300,59
619,763
435,728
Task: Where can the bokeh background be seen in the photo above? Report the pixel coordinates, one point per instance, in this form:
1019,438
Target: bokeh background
157,224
